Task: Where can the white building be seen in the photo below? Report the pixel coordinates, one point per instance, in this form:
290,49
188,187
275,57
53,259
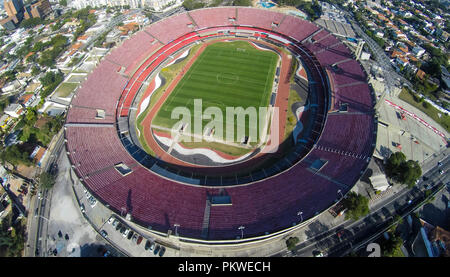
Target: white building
14,110
418,51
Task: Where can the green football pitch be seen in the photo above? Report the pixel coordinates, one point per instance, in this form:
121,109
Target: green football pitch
226,74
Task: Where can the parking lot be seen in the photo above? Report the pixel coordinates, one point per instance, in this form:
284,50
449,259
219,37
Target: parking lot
69,235
100,216
142,246
400,132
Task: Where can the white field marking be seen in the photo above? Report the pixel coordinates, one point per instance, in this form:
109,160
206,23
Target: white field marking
265,85
202,151
146,101
261,48
193,135
184,55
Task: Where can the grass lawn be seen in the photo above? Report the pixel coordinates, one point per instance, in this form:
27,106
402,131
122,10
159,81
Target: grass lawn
65,89
431,111
291,119
226,74
168,73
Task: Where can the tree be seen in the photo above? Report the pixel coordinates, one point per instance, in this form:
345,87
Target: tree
31,22
401,170
31,115
46,180
292,242
35,70
63,3
356,205
389,246
15,156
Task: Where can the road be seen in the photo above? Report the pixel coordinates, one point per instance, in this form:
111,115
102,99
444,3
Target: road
37,228
349,235
107,28
391,76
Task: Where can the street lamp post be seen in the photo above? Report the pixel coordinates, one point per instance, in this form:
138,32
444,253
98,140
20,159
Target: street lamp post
242,231
340,192
301,217
176,228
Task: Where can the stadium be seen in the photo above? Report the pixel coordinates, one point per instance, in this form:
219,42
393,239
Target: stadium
120,147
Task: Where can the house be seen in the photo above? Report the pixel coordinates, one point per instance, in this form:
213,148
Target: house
38,154
401,61
5,120
418,51
14,110
431,241
26,100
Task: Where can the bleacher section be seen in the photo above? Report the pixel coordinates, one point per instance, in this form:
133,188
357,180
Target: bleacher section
157,197
259,18
101,89
133,50
213,17
171,28
95,148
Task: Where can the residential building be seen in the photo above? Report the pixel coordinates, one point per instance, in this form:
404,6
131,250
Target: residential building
14,110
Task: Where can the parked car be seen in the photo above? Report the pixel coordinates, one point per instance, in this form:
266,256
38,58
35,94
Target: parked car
147,245
104,233
111,220
134,238
152,245
115,222
83,210
156,249
130,234
124,231
118,226
318,254
92,201
139,240
162,251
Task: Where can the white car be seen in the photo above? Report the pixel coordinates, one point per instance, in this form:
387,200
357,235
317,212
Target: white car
319,255
111,220
126,233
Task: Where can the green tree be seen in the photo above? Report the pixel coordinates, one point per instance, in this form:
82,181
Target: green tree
401,170
46,180
292,242
15,156
356,205
31,115
31,22
390,246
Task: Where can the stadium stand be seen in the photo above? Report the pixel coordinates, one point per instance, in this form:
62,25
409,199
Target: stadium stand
264,201
206,18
